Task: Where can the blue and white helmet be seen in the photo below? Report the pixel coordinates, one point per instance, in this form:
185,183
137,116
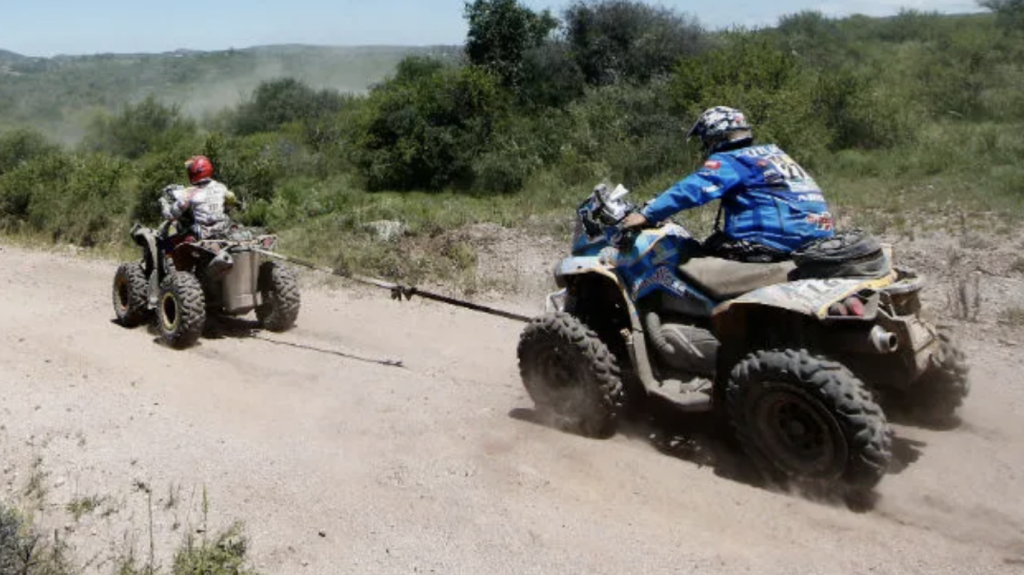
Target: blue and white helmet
716,126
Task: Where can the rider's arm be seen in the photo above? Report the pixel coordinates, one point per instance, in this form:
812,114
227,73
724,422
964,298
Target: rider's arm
710,183
168,198
183,201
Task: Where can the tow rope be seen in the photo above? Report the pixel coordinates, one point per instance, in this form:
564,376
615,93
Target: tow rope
398,291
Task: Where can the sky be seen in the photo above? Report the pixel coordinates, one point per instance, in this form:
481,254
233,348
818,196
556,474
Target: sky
73,27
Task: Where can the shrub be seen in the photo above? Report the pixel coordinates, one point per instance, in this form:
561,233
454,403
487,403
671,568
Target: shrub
623,40
20,146
754,73
139,129
426,132
276,103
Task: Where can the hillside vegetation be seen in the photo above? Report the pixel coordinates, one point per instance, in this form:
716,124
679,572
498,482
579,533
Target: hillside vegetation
908,122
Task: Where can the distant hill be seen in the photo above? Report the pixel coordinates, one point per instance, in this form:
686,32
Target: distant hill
60,94
7,56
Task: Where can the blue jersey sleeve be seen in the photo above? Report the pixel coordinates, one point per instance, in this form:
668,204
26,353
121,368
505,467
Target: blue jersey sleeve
711,182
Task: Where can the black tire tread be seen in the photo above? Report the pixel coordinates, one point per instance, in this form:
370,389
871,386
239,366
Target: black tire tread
191,309
863,422
602,369
137,311
281,298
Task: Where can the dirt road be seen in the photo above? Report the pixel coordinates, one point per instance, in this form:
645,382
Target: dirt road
337,464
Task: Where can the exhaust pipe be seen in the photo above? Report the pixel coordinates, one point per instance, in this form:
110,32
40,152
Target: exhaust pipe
883,341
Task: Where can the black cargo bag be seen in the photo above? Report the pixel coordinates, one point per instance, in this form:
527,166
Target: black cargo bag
847,254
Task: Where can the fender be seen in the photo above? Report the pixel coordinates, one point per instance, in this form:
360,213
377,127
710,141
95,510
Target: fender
583,265
152,263
810,299
634,337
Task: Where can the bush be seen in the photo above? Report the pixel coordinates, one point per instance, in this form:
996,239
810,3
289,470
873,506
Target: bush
501,32
425,133
754,73
815,39
276,103
550,78
631,132
24,552
139,129
953,76
20,146
623,40
22,189
1009,13
859,115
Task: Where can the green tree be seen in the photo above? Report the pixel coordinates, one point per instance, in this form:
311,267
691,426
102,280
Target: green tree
1009,13
275,103
614,40
501,32
550,78
425,133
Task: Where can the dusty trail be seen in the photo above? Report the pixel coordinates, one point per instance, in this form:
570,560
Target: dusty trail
433,467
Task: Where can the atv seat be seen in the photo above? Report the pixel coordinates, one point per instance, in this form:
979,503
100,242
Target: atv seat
722,279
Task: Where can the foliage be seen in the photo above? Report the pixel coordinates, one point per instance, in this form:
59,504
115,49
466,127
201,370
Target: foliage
550,77
225,555
1009,13
890,114
20,146
141,128
283,101
753,73
501,32
426,131
624,40
26,552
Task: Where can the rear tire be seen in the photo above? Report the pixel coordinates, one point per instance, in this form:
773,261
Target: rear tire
181,310
571,376
131,295
942,388
279,291
808,421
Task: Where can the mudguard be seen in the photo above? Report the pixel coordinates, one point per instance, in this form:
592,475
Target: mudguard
577,265
806,297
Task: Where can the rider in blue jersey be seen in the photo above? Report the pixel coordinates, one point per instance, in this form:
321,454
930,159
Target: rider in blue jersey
771,206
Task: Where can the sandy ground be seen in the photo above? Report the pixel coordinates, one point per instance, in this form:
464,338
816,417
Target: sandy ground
338,464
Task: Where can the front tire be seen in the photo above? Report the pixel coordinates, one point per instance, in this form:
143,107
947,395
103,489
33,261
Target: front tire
809,421
571,376
131,295
181,310
279,291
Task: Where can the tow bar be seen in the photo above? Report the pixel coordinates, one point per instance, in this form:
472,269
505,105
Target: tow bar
398,291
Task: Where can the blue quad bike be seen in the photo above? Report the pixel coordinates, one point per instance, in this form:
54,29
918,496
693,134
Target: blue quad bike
794,356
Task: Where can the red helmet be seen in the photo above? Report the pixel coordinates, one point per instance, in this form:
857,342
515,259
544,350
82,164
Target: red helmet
199,168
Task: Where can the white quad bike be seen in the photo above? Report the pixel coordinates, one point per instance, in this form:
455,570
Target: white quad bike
182,279
792,355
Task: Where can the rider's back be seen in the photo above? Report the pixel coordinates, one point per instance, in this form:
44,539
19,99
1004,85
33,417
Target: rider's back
776,202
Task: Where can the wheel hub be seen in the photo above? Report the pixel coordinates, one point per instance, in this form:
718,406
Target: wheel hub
169,311
800,434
